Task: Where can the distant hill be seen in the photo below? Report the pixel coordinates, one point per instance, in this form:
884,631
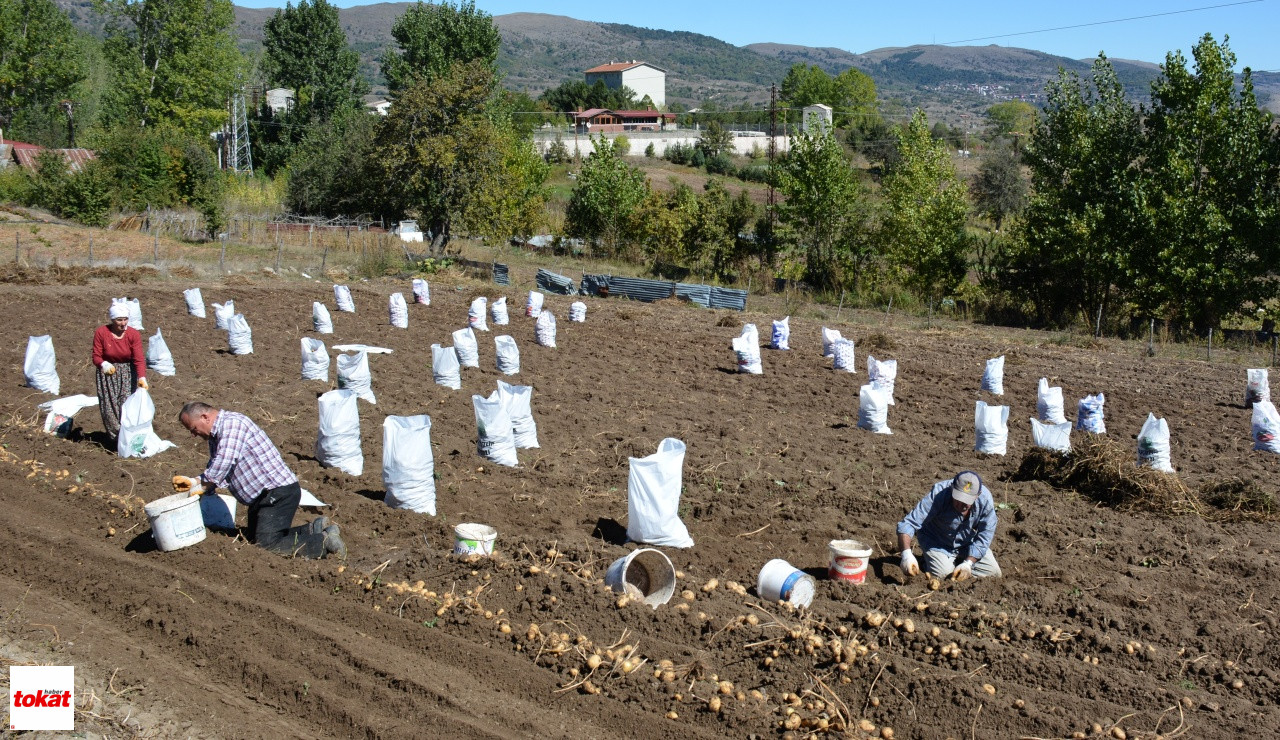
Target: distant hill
541,51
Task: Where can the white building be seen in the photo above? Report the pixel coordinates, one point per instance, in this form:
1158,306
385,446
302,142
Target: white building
379,107
279,100
643,79
816,116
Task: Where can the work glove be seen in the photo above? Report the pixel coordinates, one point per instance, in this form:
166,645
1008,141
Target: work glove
142,383
962,571
183,484
909,564
108,368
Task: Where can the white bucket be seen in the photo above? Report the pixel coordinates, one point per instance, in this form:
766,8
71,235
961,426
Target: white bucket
474,539
176,521
849,559
782,580
645,574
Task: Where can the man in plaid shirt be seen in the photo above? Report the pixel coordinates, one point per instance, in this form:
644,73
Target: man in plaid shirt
243,459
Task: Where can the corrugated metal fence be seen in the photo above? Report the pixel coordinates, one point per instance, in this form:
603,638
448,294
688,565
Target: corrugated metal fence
638,289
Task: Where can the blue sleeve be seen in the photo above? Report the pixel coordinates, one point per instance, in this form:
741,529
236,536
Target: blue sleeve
915,519
984,525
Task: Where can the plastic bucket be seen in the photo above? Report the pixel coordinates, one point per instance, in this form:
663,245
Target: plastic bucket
474,539
176,521
849,560
780,580
645,574
218,512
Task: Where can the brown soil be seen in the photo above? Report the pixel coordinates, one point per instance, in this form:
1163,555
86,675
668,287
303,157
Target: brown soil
1158,624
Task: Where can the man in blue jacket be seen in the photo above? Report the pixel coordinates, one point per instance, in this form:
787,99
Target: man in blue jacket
955,523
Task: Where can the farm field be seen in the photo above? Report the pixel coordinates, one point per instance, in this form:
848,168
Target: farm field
1107,623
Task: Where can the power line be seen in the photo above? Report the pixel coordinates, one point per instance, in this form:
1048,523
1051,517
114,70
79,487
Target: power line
1103,23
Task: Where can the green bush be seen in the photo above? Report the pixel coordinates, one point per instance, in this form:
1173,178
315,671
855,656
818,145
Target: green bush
15,185
649,151
86,195
721,164
621,145
679,153
697,159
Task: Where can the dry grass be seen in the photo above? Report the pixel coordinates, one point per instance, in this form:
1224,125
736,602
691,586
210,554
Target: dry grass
55,274
1102,470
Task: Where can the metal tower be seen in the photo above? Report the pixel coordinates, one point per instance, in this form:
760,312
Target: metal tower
239,155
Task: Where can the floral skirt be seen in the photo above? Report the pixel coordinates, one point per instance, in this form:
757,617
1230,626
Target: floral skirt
112,392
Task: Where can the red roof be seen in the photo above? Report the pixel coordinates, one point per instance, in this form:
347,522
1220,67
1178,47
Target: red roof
26,155
20,144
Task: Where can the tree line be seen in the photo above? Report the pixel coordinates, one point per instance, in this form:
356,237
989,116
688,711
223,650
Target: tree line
1093,210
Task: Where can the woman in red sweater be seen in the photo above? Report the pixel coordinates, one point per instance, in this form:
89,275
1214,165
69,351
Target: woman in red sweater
122,366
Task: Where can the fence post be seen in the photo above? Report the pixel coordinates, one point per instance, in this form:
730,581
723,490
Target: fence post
279,249
888,310
155,246
1151,339
17,247
1209,350
222,257
91,251
841,307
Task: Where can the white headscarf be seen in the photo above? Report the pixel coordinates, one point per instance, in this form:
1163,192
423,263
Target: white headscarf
119,311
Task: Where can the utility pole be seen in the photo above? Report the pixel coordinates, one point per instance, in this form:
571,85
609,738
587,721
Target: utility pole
71,128
772,200
239,153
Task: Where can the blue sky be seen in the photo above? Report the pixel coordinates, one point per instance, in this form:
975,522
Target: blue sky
862,26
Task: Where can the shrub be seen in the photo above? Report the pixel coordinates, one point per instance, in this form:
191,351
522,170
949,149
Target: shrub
557,152
697,159
679,153
649,151
721,164
621,145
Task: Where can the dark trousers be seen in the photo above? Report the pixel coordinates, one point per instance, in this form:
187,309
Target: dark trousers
270,524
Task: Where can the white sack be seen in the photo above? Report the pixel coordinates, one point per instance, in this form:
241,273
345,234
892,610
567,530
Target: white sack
408,465
746,348
320,320
495,440
1266,427
63,410
883,374
195,302
533,306
873,409
842,356
498,312
354,375
159,358
342,297
315,360
445,369
338,441
1049,403
991,424
545,329
653,497
508,355
1090,414
519,403
1056,437
137,439
781,338
829,337
1153,444
398,311
222,313
368,349
134,307
1257,387
464,342
993,376
239,336
421,292
475,314
41,365
578,312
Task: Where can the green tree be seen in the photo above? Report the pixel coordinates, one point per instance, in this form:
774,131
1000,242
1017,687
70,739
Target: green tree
577,95
852,94
442,156
659,224
1212,178
1013,118
173,62
607,194
433,38
320,173
823,211
923,224
999,189
1084,215
306,50
40,61
714,139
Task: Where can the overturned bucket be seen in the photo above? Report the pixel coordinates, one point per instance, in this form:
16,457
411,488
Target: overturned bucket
175,521
780,580
474,539
849,559
645,574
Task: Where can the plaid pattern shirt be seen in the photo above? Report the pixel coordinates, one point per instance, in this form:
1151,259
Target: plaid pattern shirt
242,458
